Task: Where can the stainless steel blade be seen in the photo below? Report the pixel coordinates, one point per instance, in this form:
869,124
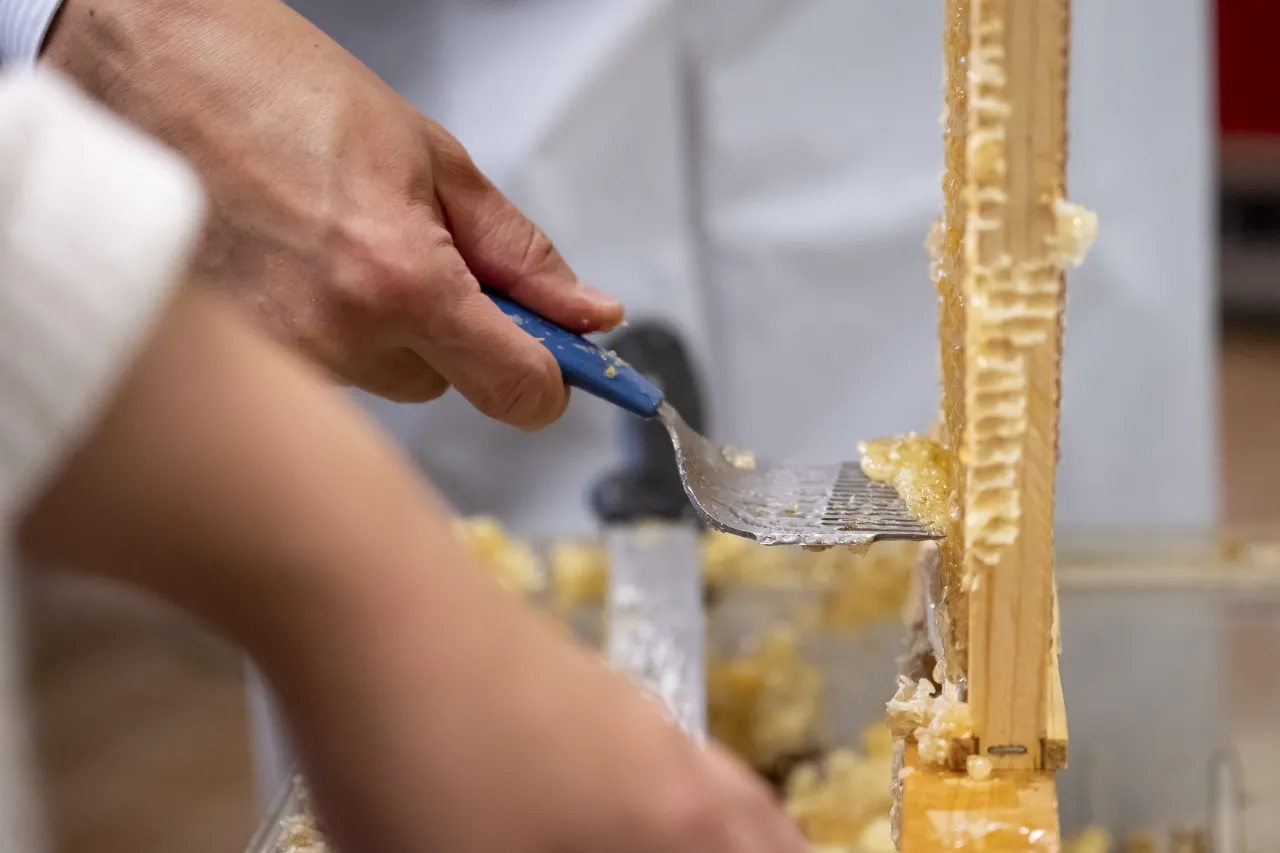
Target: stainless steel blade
785,504
656,624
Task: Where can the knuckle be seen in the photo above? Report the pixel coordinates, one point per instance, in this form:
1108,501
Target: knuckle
527,396
449,157
686,805
421,388
690,815
755,799
400,376
746,793
385,268
516,246
539,252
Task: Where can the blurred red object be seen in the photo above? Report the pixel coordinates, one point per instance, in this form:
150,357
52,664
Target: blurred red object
1249,68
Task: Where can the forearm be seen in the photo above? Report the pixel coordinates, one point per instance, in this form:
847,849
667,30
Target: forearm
229,480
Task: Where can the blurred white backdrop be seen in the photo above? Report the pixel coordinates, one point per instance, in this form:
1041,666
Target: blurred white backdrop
763,173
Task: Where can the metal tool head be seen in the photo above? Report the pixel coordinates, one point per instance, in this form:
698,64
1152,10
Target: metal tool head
784,504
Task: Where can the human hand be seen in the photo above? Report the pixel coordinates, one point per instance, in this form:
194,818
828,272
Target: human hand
542,751
433,710
349,225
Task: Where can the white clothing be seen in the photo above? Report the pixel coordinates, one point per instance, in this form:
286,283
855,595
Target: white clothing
96,223
23,24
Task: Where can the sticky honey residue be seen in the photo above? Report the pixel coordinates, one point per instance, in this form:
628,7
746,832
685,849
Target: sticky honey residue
945,245
946,236
933,718
919,468
1010,810
743,460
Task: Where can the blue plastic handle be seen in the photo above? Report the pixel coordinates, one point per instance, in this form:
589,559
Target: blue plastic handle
584,365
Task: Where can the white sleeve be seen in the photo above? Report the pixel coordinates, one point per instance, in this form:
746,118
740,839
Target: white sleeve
23,24
96,225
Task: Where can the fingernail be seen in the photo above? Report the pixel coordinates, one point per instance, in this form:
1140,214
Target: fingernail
599,297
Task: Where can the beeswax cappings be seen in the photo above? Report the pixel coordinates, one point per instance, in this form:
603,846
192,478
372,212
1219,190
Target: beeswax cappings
919,468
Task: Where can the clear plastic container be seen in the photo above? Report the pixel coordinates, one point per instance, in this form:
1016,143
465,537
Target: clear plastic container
1172,703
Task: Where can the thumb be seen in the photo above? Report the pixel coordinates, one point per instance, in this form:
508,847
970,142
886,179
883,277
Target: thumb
505,250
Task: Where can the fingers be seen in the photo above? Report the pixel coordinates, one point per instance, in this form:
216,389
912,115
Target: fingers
400,375
759,824
721,807
507,251
498,367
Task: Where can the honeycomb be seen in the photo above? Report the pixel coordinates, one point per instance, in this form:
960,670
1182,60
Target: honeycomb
920,469
932,717
843,798
789,700
946,245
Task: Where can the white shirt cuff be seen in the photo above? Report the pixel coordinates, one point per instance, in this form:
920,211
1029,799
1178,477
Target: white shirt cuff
96,226
23,24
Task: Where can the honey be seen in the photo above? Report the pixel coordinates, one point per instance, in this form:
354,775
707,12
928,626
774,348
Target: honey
920,469
945,245
948,810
